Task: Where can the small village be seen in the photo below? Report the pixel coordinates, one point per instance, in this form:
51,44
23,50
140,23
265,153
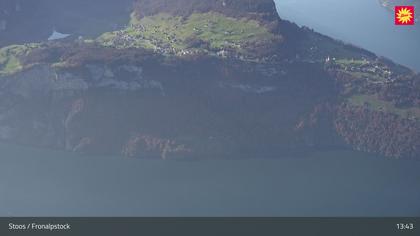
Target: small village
373,72
157,37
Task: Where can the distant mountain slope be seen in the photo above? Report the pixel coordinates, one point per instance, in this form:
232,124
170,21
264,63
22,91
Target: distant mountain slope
207,79
264,9
34,21
390,4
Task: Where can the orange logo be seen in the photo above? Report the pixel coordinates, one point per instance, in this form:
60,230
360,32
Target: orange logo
404,15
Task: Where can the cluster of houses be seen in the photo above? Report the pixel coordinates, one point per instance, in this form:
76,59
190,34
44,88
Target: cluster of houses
372,69
124,39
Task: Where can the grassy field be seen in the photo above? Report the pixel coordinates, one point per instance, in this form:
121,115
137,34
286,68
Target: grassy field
364,69
348,62
376,104
207,31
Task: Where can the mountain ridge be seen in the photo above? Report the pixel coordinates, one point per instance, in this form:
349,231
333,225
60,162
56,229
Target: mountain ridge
264,9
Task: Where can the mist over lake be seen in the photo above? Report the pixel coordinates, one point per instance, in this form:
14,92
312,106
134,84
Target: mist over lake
36,182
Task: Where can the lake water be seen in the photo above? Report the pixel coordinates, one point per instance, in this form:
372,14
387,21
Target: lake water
50,183
364,23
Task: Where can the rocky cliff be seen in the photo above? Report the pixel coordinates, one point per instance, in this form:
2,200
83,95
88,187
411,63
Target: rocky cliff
206,79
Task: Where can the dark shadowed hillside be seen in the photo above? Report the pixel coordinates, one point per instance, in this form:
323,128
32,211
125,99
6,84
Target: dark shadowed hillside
33,21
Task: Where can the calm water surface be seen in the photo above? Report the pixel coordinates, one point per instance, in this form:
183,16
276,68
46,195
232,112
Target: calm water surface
37,182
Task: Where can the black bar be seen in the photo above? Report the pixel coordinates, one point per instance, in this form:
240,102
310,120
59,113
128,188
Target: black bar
211,226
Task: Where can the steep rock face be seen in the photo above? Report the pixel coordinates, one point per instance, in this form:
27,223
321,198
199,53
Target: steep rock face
194,78
152,145
173,107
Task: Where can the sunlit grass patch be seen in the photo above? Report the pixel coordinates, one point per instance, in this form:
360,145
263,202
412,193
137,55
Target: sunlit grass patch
10,62
204,31
376,104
